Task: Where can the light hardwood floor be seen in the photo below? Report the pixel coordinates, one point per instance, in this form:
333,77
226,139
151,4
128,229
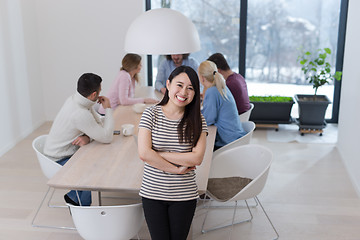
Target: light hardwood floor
308,195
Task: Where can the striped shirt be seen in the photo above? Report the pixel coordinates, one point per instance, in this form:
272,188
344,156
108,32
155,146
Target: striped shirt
158,184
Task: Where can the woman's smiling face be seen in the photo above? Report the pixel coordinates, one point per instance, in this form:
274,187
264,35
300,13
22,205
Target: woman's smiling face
180,90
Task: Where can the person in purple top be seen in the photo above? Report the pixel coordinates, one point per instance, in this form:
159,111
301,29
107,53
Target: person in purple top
234,81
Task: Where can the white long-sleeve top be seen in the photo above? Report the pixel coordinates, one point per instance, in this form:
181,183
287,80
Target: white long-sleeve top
77,117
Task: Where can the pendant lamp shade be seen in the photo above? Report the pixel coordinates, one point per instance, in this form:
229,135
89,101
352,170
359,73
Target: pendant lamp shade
162,31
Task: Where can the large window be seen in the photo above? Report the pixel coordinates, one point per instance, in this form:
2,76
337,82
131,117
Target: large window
275,30
217,24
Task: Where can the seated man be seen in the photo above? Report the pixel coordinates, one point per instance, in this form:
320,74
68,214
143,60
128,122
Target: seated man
76,124
234,81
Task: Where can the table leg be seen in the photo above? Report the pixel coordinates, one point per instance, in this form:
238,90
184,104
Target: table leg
77,194
99,196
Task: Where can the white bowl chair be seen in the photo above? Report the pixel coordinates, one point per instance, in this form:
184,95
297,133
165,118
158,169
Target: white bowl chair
249,127
247,162
49,167
246,115
120,222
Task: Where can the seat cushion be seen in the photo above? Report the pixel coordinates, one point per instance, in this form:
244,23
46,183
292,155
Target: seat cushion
226,188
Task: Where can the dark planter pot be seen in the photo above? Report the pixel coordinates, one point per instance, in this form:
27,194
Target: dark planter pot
271,112
312,111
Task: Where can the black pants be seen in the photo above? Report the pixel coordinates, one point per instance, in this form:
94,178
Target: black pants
168,220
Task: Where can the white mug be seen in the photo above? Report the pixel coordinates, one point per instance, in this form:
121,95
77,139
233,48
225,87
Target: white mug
139,107
127,129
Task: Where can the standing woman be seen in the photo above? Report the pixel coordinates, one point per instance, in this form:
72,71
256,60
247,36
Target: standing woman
171,142
219,107
123,88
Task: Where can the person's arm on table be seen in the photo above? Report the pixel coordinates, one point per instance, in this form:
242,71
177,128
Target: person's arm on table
101,132
81,140
153,158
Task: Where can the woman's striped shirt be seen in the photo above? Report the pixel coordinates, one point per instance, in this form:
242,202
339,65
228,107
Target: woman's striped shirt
158,184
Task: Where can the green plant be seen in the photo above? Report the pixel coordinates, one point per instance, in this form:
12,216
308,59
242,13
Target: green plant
270,99
317,68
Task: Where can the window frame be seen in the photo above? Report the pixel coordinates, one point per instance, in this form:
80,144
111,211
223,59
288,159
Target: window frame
242,50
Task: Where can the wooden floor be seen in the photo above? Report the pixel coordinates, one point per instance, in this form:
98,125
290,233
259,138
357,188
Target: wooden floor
308,195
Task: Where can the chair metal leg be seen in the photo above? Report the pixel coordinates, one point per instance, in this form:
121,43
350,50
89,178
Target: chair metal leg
203,201
54,206
99,197
248,220
256,203
272,225
227,207
251,216
207,211
77,194
233,219
47,226
224,226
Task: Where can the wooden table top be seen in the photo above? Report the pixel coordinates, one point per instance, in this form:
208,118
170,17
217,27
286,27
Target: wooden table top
116,166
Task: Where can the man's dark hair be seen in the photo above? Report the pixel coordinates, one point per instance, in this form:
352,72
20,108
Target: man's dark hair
220,61
88,83
185,56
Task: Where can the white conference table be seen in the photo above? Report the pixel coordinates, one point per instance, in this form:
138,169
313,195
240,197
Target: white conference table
116,166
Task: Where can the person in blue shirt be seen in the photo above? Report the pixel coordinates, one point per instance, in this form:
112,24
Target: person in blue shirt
168,65
219,107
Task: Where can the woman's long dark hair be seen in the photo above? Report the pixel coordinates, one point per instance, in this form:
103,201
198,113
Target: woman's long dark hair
190,126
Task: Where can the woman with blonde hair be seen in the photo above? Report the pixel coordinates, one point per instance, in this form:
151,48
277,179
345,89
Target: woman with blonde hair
219,107
122,89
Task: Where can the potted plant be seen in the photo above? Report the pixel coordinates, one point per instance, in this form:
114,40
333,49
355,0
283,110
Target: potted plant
317,70
271,109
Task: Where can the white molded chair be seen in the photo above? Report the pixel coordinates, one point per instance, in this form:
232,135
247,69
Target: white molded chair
246,115
249,127
120,222
247,162
49,167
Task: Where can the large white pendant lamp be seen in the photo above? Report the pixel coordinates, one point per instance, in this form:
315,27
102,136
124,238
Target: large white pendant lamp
162,31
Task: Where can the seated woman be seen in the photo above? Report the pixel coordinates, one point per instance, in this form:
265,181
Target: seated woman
123,88
219,107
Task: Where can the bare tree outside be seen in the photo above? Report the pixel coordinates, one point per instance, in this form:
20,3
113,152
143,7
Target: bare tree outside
276,30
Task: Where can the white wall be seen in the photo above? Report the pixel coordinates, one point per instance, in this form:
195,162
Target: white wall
78,36
45,45
20,83
349,127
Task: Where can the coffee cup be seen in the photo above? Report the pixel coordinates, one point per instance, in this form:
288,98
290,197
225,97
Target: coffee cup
139,107
127,129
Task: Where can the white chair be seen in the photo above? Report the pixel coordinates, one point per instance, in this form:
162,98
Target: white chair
49,167
249,127
239,173
246,115
108,222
